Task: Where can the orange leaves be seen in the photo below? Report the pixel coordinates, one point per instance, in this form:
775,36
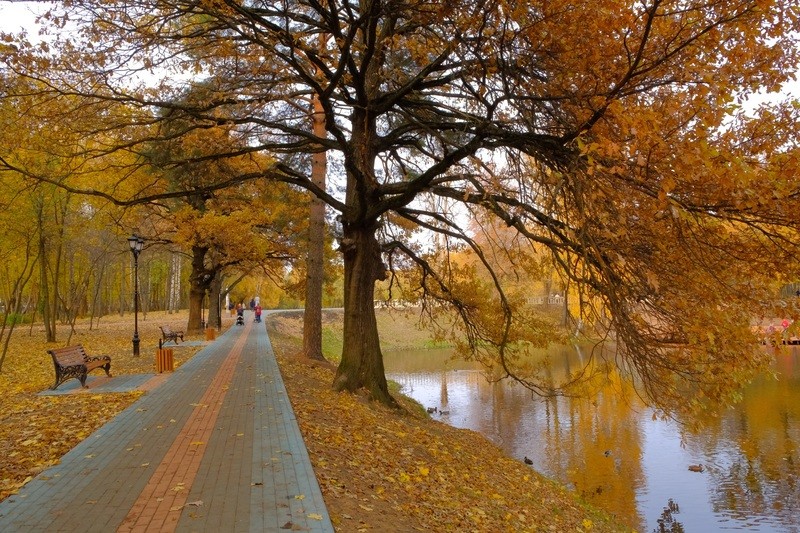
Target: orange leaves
378,467
36,431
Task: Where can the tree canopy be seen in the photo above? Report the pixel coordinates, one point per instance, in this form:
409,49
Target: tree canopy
608,137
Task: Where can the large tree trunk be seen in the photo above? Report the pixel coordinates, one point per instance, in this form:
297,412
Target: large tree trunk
196,294
214,303
312,318
199,281
362,360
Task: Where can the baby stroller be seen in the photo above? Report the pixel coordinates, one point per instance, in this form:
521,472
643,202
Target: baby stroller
240,317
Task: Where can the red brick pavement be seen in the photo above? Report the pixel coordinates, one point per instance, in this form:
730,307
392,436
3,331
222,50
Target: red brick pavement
159,505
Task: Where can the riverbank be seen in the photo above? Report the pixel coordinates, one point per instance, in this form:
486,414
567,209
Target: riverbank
387,470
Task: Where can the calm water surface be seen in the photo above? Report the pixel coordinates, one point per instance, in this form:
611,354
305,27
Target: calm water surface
610,450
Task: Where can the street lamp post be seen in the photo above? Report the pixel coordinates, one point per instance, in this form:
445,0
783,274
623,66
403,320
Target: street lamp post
136,243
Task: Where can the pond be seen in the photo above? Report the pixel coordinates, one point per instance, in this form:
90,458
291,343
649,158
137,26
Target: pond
609,449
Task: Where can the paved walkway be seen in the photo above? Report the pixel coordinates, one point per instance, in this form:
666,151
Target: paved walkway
214,448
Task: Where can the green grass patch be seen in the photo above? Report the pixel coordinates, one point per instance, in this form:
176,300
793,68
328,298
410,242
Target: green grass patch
332,343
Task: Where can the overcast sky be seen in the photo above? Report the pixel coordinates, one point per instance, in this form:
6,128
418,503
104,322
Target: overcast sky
15,16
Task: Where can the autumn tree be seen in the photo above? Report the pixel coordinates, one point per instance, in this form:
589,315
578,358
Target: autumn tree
241,229
608,134
315,257
64,230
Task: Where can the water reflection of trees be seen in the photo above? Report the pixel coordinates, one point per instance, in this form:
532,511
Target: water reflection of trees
595,444
667,523
753,450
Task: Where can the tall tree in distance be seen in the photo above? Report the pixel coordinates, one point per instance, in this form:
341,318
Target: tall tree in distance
315,256
605,134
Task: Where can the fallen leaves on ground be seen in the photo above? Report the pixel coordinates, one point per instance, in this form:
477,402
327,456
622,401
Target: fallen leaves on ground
379,469
398,470
35,431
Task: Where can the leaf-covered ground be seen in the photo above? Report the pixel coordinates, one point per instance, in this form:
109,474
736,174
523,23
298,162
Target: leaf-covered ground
35,431
379,469
387,470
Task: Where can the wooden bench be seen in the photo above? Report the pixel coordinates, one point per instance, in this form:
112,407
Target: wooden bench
169,335
74,362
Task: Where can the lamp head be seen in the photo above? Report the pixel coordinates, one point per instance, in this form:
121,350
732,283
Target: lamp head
136,243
